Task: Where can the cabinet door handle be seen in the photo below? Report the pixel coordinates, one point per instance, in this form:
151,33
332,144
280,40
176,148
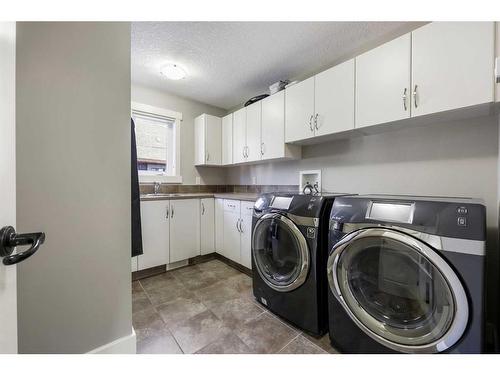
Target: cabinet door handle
172,212
262,149
202,208
168,213
415,96
241,225
208,156
316,121
310,123
244,156
404,98
237,228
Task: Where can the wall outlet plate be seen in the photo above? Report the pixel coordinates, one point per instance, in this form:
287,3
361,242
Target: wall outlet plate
254,180
198,180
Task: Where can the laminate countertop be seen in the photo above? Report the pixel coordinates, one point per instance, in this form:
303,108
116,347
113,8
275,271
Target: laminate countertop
236,196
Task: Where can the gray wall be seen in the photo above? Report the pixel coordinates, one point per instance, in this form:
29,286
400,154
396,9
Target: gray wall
189,109
73,183
451,159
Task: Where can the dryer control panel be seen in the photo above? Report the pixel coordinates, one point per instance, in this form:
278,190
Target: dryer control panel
447,217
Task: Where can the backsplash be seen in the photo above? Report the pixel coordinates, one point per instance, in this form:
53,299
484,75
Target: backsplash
148,188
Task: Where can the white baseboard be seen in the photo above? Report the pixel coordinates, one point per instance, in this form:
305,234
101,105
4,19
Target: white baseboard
123,345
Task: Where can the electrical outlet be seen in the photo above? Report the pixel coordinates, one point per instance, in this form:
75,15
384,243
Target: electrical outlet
198,180
254,180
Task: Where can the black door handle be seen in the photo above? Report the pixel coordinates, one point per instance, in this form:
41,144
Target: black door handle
9,239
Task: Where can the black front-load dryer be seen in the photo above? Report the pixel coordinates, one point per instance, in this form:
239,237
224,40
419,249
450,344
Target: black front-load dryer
289,253
406,274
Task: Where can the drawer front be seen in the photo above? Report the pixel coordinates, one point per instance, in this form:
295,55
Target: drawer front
231,205
246,208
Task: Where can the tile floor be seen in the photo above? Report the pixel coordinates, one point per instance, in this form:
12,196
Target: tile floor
209,308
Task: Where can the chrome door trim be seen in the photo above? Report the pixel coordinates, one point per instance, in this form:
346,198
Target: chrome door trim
441,243
461,313
303,250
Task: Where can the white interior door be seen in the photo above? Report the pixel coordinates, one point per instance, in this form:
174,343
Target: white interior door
8,288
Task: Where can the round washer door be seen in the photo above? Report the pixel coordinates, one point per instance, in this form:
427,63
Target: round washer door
280,252
398,290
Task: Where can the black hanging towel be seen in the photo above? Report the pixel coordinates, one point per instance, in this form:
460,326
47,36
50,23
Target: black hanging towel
136,201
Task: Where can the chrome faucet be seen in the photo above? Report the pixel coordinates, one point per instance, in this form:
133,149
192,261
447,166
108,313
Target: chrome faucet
157,186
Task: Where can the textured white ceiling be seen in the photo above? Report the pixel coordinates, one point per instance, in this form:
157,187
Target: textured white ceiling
229,62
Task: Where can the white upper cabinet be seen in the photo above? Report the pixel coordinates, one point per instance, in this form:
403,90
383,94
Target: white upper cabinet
207,226
334,99
253,124
208,137
227,139
299,111
184,229
273,126
383,83
239,135
452,66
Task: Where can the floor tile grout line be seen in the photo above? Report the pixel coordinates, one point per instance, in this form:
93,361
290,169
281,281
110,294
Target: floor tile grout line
156,310
288,343
314,344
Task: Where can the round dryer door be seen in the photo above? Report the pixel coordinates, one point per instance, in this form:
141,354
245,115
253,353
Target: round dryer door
280,252
398,290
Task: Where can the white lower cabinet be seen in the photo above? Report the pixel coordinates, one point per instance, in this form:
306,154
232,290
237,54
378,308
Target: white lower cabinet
155,234
219,225
184,229
176,230
246,234
237,231
170,232
231,242
207,226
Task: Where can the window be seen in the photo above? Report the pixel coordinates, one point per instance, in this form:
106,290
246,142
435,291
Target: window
157,141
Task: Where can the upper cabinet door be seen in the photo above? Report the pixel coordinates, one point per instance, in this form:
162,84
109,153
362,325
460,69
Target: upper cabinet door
213,138
273,126
254,119
199,140
334,99
227,139
383,83
452,65
239,135
299,111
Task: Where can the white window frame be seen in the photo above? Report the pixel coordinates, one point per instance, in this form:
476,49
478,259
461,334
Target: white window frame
176,178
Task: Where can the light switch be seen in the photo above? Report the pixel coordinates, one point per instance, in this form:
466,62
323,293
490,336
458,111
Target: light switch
254,180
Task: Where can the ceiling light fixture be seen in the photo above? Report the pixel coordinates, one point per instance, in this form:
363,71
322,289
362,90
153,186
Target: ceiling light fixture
173,71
